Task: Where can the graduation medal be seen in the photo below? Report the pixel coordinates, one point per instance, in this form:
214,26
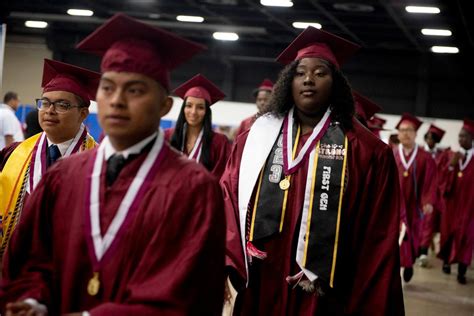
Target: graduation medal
94,285
407,165
285,184
460,174
463,166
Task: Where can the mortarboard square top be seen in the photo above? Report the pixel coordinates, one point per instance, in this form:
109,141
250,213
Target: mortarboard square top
469,126
266,85
58,76
128,45
200,87
365,107
436,130
315,43
376,122
407,117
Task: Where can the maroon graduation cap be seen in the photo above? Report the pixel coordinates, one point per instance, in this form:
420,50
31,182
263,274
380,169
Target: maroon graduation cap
200,87
365,107
469,126
266,85
436,130
376,122
316,43
128,45
58,76
407,117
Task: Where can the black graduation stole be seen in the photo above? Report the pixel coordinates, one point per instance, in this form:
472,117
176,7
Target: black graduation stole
324,191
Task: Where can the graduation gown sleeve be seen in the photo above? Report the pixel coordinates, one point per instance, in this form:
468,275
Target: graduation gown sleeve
220,150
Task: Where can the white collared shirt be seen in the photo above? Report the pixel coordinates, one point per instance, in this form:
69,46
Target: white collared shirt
9,125
63,147
135,149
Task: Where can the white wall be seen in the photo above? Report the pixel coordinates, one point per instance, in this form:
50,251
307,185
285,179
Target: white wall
23,68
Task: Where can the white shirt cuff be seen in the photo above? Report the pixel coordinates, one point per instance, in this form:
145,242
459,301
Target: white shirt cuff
40,308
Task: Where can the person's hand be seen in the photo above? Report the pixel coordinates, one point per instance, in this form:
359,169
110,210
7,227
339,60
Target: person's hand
22,309
456,157
427,209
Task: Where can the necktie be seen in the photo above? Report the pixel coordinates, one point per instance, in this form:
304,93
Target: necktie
53,154
114,166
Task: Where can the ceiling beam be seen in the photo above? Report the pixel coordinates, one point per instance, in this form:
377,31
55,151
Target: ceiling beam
398,21
333,19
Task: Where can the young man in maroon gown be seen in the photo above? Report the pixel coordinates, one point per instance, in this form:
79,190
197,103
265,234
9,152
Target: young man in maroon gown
262,96
417,176
312,197
457,228
132,227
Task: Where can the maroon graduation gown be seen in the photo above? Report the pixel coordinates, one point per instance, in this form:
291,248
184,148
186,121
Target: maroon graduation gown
6,152
431,222
426,188
457,222
220,151
169,260
367,279
246,124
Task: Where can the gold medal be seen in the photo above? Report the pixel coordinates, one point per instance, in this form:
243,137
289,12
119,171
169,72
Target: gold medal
94,285
460,174
405,173
285,184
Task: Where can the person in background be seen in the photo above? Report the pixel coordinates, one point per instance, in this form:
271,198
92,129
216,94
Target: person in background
262,96
303,237
376,125
33,126
10,126
131,227
417,176
431,221
63,106
365,108
193,134
457,223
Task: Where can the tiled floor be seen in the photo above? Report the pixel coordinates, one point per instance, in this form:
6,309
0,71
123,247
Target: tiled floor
433,293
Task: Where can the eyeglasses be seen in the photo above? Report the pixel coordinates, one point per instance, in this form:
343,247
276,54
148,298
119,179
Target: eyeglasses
59,106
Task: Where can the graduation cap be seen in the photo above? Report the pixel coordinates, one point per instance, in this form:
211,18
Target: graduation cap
316,43
376,123
437,131
128,45
200,87
469,126
58,76
266,85
407,117
364,107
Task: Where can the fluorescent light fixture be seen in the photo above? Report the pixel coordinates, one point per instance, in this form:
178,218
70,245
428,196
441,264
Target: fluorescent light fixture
190,18
36,24
418,9
303,25
226,36
436,32
277,3
445,49
80,12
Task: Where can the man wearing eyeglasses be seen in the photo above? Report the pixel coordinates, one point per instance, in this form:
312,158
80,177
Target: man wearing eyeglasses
63,106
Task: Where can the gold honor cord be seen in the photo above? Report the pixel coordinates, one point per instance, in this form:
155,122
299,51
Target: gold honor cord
254,213
288,178
336,242
311,199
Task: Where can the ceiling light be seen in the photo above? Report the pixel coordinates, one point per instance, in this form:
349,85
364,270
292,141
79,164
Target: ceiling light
277,3
80,12
417,9
436,32
445,49
190,18
36,24
225,36
303,25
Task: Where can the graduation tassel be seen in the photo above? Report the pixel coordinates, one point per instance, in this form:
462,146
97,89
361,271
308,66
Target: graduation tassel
252,251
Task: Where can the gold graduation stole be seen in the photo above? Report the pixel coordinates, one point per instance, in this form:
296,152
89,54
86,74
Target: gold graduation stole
13,180
321,214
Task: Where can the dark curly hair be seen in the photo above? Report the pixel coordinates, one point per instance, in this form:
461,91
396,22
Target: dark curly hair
342,103
207,135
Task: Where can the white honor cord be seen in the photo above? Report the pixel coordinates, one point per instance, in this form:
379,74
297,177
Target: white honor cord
402,156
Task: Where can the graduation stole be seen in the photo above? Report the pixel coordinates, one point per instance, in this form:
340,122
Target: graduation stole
326,154
406,165
26,165
196,151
